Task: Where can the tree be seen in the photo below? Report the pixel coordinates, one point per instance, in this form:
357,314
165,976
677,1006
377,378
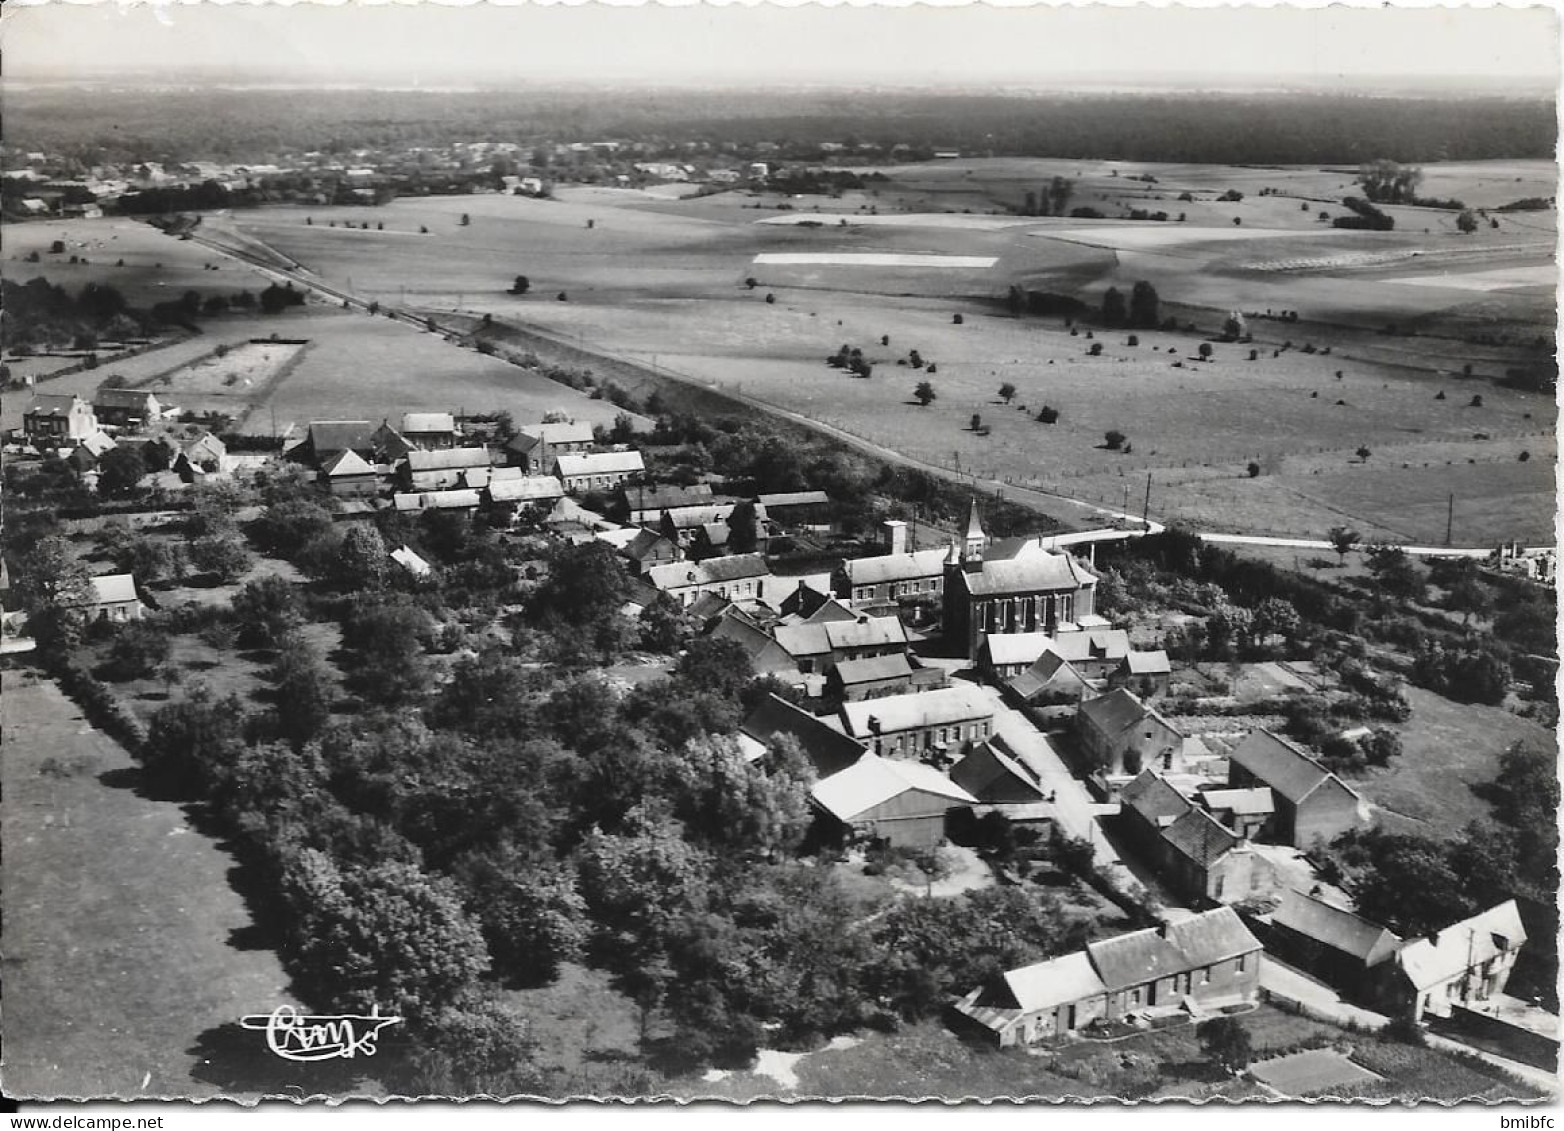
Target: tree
1145,307
1387,182
1114,310
1363,455
1205,351
305,690
1343,540
925,394
1408,885
743,529
521,286
1113,439
1048,415
389,666
1466,222
1007,392
957,319
137,651
1276,616
50,576
532,914
1226,1042
267,610
1234,327
465,220
1398,574
1058,193
222,554
119,472
362,560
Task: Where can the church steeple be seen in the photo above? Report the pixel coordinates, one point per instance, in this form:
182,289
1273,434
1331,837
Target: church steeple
976,541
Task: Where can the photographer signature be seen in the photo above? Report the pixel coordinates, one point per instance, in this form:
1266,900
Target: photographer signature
296,1036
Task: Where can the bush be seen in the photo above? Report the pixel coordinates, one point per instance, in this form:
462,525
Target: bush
1113,439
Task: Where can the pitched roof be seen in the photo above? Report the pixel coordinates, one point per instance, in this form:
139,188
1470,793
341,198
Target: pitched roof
803,639
734,567
540,488
97,443
1154,799
826,746
699,514
347,462
974,520
1199,837
865,632
895,567
448,459
122,398
1148,663
1335,927
644,543
1096,644
873,668
1212,936
1114,712
435,500
599,463
112,588
1050,670
411,562
557,432
428,422
53,404
1058,981
917,709
480,477
1460,946
1006,648
733,625
1135,959
1288,770
872,781
793,499
327,436
990,762
1028,574
668,497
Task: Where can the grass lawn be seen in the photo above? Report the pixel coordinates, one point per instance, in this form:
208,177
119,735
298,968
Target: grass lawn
125,944
1446,749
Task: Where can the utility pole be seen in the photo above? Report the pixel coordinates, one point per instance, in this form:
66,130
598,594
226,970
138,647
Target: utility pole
1450,518
1145,511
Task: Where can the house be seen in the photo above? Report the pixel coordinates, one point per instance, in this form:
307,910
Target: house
430,431
806,605
112,597
1052,679
1004,656
1313,805
993,774
818,646
1342,949
923,724
1119,735
889,578
650,548
898,802
646,504
827,746
436,500
85,456
598,471
523,491
684,524
390,444
1147,674
126,408
440,470
1197,964
871,678
766,656
477,478
328,437
1035,591
1095,653
737,577
347,475
797,510
536,446
1198,857
204,451
57,419
1245,811
1461,966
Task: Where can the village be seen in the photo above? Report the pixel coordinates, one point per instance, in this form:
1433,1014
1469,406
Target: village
962,700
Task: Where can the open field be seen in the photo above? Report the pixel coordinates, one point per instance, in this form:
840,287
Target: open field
124,942
662,281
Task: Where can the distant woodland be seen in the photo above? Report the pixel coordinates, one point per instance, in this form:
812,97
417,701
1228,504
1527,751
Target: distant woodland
97,125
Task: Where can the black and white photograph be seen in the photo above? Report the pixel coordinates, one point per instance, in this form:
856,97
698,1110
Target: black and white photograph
761,553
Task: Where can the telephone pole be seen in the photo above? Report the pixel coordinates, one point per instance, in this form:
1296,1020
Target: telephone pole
1450,518
1145,510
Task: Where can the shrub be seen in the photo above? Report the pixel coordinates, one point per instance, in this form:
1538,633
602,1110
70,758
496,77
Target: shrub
1254,470
1114,439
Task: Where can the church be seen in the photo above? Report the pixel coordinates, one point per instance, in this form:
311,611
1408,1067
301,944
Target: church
1028,589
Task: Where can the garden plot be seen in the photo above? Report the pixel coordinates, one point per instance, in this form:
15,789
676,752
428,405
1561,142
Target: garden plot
243,370
1312,1073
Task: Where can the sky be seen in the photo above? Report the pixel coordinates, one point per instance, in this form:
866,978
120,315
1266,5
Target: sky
767,45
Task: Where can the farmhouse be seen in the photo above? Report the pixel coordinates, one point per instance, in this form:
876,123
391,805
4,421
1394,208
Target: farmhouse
921,724
328,437
1096,653
84,457
54,419
684,524
390,444
1201,859
1313,805
737,577
820,645
872,678
430,430
598,471
1119,735
440,470
646,504
649,548
536,446
1340,948
126,408
1147,674
1245,811
526,490
1200,963
799,510
1035,591
806,605
348,476
823,744
112,597
901,803
1463,964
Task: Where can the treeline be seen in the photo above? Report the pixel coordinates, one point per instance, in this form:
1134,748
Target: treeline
213,124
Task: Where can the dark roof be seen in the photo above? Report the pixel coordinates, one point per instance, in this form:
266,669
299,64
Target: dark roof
1050,670
735,626
1114,712
1197,836
120,398
793,499
668,497
1153,798
644,544
1212,936
448,459
874,668
735,567
52,404
1288,770
1032,573
990,762
1335,927
1135,959
327,436
828,748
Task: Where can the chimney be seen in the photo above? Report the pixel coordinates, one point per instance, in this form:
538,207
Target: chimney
893,536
